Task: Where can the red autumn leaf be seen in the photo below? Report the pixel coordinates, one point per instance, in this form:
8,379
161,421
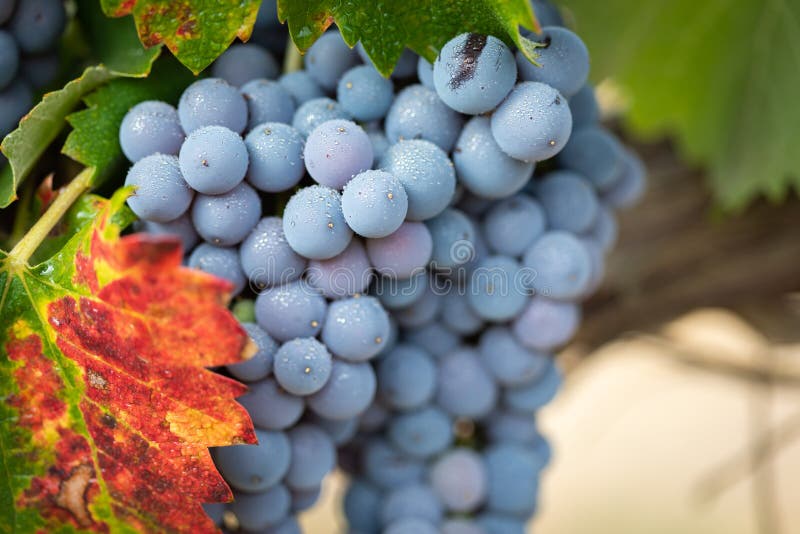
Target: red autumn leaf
109,408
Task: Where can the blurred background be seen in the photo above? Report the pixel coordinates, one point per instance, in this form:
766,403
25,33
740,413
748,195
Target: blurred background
681,406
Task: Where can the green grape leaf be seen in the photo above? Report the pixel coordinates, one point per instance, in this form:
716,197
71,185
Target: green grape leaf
385,28
94,139
40,127
114,41
722,75
196,31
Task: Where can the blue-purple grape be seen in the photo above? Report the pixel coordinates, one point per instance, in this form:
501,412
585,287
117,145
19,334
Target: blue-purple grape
344,275
244,62
457,314
380,144
255,468
434,338
595,154
228,218
411,526
374,204
387,468
15,100
546,324
453,237
512,225
314,112
335,151
9,58
563,61
314,224
313,457
422,311
561,264
413,501
465,387
530,397
473,73
482,167
260,364
259,511
534,123
459,478
425,73
568,200
37,25
511,427
267,259
182,228
213,160
604,230
461,526
293,310
275,151
423,433
402,253
303,500
267,101
498,288
219,261
302,366
364,93
150,127
507,360
328,58
356,328
362,503
406,377
631,184
513,481
418,113
341,431
347,394
301,86
494,523
427,175
546,13
270,406
396,293
584,108
212,102
161,193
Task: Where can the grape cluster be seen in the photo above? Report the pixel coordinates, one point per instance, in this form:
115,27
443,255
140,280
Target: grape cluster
407,253
29,33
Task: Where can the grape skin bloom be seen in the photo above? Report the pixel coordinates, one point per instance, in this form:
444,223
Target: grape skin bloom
473,73
534,123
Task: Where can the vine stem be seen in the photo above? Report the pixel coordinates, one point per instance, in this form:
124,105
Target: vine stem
293,60
23,250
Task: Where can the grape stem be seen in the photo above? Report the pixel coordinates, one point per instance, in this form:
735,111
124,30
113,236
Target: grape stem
293,60
67,196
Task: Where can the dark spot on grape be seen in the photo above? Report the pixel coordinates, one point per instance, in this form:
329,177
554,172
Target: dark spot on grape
557,101
467,60
546,41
